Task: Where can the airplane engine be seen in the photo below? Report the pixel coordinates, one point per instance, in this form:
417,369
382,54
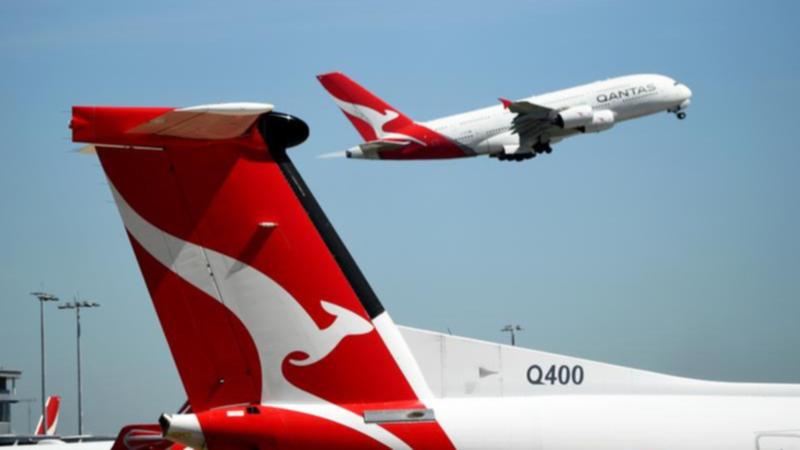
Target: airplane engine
575,117
601,120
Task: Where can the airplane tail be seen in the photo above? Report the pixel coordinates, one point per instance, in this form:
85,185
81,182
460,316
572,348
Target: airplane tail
51,407
373,118
259,299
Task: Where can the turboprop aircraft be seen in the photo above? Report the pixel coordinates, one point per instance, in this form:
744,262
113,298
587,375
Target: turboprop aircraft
510,131
281,343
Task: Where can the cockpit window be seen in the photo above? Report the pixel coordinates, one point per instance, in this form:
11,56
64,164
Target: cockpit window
676,83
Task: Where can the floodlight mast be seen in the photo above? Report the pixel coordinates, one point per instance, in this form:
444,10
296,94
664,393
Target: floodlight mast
512,329
77,306
43,297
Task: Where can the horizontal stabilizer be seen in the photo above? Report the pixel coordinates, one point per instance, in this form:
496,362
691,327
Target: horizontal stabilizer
218,121
141,437
372,149
152,128
379,146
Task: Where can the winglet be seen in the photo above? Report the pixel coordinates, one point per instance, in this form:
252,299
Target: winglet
506,102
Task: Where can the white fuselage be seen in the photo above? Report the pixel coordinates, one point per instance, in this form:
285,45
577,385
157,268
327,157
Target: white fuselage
488,130
624,422
488,395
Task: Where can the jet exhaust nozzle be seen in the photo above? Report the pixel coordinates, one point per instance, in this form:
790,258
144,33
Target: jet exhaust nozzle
183,429
355,152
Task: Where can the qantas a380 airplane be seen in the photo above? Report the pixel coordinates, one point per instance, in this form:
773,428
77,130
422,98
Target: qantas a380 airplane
281,343
511,131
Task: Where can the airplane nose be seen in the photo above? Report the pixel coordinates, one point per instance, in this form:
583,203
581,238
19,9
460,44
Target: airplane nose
684,92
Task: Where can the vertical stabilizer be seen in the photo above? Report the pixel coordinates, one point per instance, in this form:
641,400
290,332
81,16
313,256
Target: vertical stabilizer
260,302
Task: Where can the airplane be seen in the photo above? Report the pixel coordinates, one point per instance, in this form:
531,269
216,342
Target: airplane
280,342
49,436
511,131
52,407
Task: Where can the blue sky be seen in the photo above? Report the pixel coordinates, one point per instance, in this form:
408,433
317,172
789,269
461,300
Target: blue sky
664,245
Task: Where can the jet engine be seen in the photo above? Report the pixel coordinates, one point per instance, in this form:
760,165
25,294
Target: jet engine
575,117
601,120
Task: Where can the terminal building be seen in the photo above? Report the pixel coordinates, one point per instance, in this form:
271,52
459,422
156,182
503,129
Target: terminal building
8,392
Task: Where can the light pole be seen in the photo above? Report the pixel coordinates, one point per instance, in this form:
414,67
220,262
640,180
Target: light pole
77,306
512,329
43,297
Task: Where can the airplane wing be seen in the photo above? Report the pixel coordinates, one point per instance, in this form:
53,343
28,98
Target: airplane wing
527,108
368,150
531,121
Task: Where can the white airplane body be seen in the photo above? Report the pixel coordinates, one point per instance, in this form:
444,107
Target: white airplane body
515,130
281,343
485,391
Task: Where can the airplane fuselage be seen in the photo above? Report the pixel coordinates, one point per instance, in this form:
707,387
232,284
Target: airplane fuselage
513,130
489,130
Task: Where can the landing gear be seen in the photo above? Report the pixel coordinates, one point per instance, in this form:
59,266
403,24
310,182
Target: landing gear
514,157
542,147
681,115
537,148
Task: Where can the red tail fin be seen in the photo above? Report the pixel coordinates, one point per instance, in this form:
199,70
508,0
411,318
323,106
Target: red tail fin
51,407
259,299
372,117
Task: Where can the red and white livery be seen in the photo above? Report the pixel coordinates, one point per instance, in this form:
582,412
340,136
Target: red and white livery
281,343
52,407
508,131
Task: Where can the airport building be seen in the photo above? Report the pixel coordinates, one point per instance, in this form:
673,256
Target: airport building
8,391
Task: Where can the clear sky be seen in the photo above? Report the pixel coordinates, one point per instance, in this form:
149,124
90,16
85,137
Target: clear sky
662,244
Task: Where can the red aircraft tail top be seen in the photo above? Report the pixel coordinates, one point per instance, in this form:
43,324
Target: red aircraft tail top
389,134
372,117
51,407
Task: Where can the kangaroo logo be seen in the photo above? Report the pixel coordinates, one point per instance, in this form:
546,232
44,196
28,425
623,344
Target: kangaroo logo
376,120
280,327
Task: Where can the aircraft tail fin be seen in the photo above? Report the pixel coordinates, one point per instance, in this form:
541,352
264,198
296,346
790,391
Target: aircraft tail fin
372,117
259,299
52,408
